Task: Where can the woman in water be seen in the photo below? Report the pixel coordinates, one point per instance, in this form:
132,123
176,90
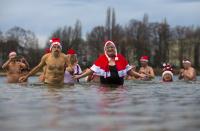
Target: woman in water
111,67
72,68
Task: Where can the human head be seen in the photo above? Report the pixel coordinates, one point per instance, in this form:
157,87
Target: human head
12,55
186,63
144,60
110,50
72,56
55,46
167,75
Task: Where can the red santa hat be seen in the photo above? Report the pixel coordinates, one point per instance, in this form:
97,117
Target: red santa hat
110,42
71,52
144,58
55,41
12,53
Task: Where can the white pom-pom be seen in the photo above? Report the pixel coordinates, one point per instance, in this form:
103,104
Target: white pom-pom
116,58
50,41
164,64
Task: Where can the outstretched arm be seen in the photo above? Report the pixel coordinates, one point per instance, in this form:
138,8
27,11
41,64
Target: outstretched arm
34,70
86,73
134,73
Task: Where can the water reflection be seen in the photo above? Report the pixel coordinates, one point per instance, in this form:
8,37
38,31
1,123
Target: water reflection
137,106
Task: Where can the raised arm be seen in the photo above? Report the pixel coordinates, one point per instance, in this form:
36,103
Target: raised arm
5,65
84,74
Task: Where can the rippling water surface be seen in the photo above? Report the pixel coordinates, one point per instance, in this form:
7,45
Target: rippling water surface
138,106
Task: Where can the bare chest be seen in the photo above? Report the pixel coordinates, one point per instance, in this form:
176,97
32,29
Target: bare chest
55,64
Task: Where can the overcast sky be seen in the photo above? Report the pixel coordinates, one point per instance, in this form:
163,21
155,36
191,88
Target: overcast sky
44,16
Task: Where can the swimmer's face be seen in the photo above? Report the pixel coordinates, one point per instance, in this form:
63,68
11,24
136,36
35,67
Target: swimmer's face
186,65
110,50
13,57
167,78
143,63
56,49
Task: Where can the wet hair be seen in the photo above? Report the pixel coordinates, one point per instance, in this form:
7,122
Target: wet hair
72,59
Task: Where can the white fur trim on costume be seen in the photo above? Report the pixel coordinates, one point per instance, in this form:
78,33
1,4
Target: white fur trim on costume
144,60
100,72
167,72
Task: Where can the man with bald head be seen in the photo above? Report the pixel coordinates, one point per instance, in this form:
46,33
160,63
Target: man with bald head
188,72
13,68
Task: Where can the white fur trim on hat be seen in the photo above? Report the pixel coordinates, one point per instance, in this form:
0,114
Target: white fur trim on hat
55,43
144,60
167,72
186,61
116,58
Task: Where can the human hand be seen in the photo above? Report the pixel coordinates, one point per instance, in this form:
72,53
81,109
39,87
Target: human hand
23,78
76,76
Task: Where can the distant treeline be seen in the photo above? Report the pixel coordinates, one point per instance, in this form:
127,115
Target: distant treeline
158,40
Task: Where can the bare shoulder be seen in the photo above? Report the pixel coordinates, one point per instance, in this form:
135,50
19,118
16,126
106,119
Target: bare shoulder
150,68
192,69
44,57
64,55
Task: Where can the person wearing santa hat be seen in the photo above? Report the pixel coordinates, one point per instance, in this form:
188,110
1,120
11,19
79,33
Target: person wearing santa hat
167,75
111,67
73,67
13,68
55,63
188,72
146,69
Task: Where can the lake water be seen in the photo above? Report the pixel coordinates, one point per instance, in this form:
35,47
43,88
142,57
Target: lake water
138,106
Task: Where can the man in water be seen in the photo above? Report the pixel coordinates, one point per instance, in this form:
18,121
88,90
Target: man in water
55,63
111,67
188,72
13,68
146,69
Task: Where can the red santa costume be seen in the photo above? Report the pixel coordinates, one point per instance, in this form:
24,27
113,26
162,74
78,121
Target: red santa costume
102,68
